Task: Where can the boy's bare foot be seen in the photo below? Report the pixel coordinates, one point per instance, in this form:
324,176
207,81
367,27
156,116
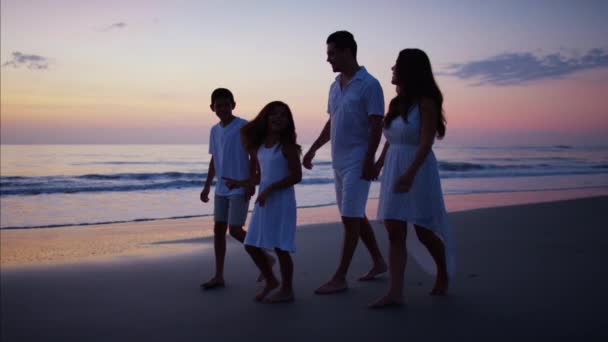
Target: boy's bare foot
270,285
281,296
272,261
213,283
441,287
374,272
386,302
332,286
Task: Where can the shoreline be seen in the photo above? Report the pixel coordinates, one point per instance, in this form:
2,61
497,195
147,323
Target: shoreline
116,241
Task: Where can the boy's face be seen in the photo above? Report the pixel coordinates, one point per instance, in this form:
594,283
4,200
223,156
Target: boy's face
223,107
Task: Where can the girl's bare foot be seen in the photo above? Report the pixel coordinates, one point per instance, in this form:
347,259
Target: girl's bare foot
270,285
272,261
281,296
387,302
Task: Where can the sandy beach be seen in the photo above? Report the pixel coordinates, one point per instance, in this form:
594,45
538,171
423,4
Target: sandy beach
528,271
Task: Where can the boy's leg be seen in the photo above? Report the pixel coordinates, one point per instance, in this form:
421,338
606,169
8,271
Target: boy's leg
285,293
220,211
237,215
238,207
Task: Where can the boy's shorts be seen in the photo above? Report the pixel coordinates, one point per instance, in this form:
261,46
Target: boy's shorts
351,192
230,209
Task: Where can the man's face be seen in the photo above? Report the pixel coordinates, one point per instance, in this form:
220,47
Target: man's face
336,57
223,107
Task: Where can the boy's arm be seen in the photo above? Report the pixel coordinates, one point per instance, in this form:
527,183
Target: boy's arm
375,134
323,138
208,181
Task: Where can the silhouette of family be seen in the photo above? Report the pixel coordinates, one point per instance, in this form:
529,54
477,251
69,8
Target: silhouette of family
265,152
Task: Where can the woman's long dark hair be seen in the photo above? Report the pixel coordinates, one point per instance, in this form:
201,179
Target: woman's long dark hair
415,81
254,132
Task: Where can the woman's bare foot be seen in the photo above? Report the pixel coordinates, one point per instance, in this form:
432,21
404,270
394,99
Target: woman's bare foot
281,296
332,286
272,261
387,302
374,272
441,286
270,285
213,283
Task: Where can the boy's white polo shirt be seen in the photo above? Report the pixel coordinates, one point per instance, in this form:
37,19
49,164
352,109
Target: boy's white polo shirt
229,156
349,108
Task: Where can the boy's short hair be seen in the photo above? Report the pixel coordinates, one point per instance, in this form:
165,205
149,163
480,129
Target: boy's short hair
343,40
221,93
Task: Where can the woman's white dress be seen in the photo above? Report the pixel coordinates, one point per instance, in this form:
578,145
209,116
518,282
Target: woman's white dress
423,204
274,224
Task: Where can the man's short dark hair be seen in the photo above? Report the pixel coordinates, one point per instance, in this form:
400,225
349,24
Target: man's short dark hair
343,40
221,93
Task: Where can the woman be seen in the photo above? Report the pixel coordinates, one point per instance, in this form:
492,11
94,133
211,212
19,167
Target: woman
410,191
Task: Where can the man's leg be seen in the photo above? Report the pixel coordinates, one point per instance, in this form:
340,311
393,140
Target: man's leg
368,237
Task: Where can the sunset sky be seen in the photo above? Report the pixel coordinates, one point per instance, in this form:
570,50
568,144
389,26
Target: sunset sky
512,72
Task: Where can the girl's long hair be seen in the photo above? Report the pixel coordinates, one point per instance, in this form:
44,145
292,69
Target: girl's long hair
254,133
415,81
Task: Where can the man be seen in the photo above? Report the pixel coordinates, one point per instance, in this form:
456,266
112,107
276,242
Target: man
356,108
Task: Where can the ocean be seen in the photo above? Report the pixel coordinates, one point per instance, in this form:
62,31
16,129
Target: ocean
44,186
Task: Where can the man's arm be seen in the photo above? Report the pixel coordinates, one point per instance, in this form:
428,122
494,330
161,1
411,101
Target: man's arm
375,134
323,138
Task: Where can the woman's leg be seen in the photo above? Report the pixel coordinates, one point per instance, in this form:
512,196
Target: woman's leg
437,250
397,231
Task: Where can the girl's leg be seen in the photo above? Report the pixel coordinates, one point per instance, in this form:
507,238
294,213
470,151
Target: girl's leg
259,258
397,231
437,250
285,293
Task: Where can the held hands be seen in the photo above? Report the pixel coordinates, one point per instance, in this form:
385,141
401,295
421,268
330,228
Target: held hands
404,182
246,183
261,201
369,171
205,194
377,168
307,160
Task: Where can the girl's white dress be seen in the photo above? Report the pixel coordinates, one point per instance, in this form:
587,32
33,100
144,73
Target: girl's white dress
274,224
423,204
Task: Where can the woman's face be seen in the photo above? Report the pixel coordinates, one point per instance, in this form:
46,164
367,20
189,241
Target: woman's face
278,119
394,79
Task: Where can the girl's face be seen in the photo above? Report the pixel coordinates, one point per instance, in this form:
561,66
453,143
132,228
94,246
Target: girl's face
394,78
278,119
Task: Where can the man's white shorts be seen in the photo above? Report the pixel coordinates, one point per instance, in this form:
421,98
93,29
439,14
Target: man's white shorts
351,191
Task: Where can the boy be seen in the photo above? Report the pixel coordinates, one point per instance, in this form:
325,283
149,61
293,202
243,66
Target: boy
228,159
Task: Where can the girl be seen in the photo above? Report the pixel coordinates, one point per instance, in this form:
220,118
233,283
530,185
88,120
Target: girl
271,138
410,190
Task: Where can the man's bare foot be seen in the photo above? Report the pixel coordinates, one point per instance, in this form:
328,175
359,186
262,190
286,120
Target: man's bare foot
374,272
270,285
281,296
386,302
332,286
272,261
441,287
215,282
